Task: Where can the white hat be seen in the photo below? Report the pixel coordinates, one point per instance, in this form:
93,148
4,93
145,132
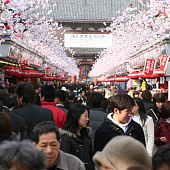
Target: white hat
64,88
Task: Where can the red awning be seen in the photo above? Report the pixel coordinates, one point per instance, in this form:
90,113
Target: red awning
122,78
140,74
111,79
159,71
135,75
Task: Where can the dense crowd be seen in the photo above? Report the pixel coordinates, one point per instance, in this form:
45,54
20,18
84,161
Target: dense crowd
83,127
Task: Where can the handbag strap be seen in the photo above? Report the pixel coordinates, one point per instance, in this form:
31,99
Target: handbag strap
154,114
87,150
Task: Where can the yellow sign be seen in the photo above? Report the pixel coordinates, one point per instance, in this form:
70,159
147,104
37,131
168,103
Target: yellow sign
143,86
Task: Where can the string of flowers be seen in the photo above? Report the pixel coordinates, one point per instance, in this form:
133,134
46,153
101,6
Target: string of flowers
21,19
131,32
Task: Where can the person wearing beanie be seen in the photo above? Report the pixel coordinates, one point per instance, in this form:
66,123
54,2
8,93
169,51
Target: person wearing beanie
121,153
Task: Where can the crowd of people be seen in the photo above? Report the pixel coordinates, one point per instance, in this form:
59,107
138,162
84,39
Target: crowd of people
83,127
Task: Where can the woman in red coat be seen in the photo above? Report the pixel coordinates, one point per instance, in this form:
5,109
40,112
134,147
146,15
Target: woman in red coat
162,129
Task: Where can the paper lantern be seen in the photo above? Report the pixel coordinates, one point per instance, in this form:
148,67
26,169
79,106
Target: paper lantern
44,77
10,70
18,72
25,73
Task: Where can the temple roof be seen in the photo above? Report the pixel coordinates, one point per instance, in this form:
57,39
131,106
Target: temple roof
84,10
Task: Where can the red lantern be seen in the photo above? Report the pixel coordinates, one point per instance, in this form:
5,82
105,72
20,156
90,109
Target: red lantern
31,73
44,78
38,73
25,73
18,72
48,72
10,70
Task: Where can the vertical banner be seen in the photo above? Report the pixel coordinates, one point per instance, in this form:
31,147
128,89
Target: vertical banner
149,67
163,62
48,72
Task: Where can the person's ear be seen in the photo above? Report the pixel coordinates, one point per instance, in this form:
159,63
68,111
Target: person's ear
56,100
20,100
34,144
42,98
116,111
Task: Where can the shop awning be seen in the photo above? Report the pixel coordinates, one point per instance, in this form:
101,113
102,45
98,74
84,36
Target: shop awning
10,70
122,78
140,74
160,71
135,75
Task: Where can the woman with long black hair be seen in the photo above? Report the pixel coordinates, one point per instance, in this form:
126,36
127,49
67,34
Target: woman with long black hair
75,137
139,115
158,101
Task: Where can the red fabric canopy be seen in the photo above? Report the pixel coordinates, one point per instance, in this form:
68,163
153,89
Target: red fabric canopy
159,71
122,78
135,75
140,74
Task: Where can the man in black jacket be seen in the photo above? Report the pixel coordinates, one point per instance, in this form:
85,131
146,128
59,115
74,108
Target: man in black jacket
18,123
147,97
97,114
60,97
28,110
118,122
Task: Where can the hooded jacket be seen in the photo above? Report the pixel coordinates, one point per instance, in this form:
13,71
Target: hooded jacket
108,130
79,146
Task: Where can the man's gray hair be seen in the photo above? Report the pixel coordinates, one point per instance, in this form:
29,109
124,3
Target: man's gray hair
23,154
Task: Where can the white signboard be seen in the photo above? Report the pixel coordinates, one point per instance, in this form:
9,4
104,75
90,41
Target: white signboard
88,40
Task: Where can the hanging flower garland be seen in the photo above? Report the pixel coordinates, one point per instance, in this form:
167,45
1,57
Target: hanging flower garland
20,19
132,32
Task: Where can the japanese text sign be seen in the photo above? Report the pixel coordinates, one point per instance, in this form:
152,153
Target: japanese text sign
163,62
48,72
24,63
149,67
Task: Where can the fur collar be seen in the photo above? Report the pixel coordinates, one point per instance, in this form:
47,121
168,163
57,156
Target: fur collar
70,134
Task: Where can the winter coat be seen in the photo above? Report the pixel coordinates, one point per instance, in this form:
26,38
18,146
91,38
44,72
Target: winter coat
5,138
107,130
62,108
148,105
152,113
162,131
18,124
67,162
79,146
58,114
105,103
33,115
96,118
148,130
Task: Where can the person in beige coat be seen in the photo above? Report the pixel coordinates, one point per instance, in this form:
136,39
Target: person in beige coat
121,153
139,115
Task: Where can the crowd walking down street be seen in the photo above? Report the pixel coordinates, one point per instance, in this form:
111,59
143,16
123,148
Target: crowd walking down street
86,137
84,85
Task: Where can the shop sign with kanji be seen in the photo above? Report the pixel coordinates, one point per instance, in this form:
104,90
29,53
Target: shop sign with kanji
48,72
163,62
149,67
